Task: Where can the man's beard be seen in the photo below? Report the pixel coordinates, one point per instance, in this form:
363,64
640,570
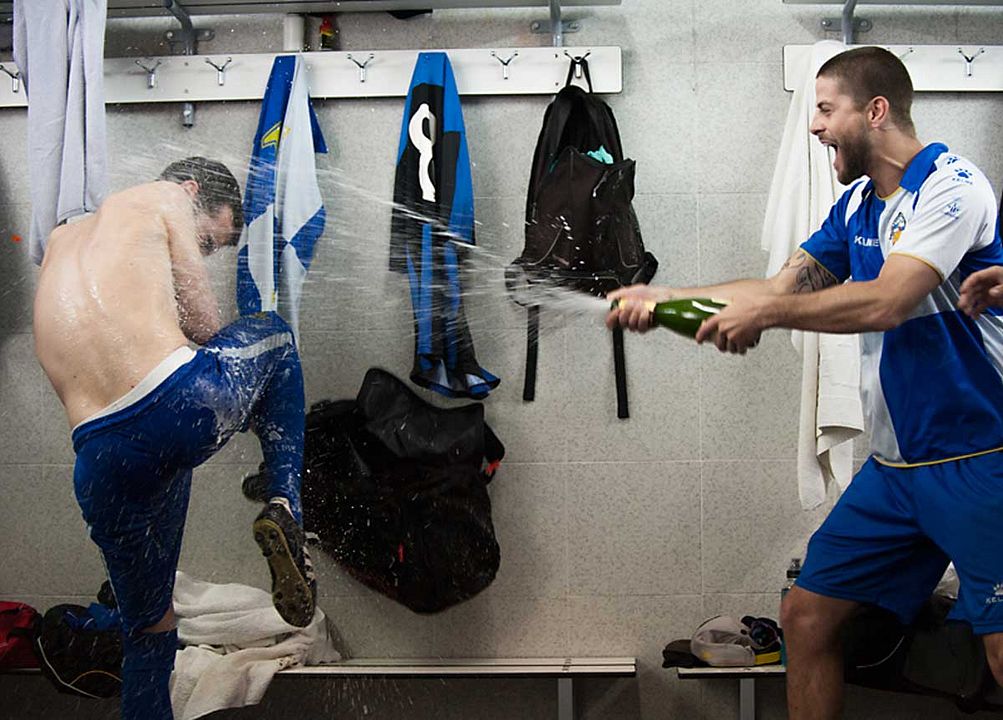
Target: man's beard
853,154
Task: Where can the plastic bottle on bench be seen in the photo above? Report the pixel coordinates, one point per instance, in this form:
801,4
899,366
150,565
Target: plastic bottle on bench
793,571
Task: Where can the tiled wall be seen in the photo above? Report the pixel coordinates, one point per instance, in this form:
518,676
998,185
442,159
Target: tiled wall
616,536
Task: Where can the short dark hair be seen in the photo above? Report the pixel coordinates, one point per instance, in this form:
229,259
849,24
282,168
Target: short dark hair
217,186
864,73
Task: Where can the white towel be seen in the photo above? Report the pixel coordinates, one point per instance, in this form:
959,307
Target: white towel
236,642
803,191
59,51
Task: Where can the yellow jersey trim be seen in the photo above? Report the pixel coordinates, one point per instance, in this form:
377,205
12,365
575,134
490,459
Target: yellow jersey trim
936,462
831,273
922,260
895,192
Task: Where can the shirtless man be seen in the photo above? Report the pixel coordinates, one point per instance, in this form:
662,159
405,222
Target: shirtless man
120,295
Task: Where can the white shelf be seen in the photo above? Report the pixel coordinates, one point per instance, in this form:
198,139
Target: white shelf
956,3
187,78
933,68
147,8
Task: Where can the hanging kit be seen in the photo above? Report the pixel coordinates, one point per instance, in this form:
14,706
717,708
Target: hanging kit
969,60
504,62
151,74
220,70
15,79
362,66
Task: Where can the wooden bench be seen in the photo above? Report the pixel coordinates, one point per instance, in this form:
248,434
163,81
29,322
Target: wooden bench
564,670
746,677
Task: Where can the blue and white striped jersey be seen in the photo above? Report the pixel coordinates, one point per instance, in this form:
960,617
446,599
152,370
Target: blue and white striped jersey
933,386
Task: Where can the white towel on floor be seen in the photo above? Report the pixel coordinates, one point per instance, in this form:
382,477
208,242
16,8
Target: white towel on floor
803,191
59,51
236,642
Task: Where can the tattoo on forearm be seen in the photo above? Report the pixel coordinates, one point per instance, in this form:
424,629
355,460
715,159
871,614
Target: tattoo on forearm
810,275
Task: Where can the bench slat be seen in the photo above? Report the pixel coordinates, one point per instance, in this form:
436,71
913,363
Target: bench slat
415,667
711,673
460,667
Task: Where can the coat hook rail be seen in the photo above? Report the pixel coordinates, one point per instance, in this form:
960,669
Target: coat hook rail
183,79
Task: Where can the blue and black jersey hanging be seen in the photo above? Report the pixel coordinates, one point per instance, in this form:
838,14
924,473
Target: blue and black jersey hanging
433,219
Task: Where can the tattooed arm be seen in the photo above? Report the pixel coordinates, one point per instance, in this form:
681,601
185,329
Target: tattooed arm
805,273
803,295
800,274
823,306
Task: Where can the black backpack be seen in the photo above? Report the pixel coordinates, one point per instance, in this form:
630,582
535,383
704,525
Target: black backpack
581,230
931,656
396,490
76,654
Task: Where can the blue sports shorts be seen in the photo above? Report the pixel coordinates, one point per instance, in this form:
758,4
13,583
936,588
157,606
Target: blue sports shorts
891,535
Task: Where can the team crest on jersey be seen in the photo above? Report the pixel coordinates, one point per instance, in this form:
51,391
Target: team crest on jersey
898,225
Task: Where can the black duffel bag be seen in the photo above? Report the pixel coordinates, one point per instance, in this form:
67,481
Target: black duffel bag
396,490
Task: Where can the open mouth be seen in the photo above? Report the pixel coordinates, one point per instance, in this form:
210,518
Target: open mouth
834,146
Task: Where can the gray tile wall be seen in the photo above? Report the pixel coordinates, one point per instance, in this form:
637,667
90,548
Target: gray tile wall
617,536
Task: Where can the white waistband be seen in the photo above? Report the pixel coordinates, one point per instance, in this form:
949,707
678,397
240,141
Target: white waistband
79,214
144,387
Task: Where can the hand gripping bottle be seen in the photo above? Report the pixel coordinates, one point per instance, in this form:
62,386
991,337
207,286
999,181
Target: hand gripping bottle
683,315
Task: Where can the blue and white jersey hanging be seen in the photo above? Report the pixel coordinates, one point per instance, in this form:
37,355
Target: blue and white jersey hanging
433,219
283,209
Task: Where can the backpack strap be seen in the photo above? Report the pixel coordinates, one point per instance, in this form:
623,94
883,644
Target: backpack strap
620,371
555,119
532,336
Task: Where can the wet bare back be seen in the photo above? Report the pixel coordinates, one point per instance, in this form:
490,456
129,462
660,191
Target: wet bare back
118,292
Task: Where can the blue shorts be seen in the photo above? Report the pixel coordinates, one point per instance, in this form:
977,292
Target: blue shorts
890,537
134,459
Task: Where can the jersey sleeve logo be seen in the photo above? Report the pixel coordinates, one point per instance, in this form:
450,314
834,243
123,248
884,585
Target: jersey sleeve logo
953,208
898,225
963,175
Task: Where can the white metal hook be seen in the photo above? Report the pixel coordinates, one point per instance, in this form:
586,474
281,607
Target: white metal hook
15,79
151,74
362,66
505,62
577,60
220,70
969,60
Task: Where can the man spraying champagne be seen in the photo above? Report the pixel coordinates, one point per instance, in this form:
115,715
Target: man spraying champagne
909,234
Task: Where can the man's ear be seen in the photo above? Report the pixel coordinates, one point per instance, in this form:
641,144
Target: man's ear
191,187
878,111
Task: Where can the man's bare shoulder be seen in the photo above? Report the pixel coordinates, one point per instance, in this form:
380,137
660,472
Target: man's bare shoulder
152,197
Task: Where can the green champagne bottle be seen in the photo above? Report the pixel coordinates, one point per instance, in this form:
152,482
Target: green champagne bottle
684,315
